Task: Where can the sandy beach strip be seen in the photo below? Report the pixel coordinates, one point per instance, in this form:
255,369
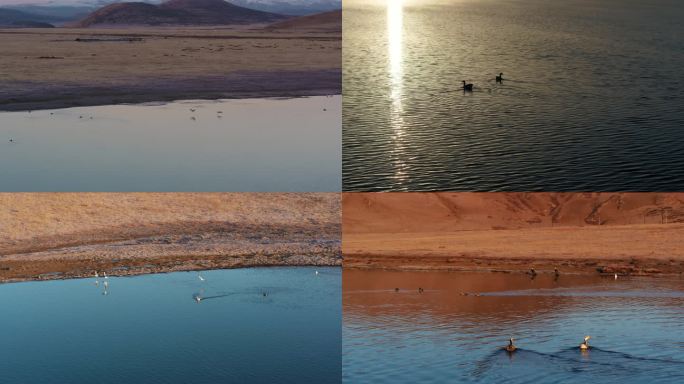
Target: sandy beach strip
511,232
61,67
67,235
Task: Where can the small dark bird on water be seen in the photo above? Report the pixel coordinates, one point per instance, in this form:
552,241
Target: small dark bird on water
396,289
264,294
499,79
532,273
510,347
11,140
556,273
467,87
420,290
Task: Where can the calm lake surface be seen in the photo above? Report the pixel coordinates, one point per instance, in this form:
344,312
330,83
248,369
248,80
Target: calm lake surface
230,145
591,99
636,327
149,329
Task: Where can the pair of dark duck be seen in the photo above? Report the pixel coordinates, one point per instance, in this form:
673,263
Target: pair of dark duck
469,87
512,348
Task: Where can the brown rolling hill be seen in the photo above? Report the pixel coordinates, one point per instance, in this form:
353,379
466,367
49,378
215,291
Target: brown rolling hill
177,12
445,212
326,21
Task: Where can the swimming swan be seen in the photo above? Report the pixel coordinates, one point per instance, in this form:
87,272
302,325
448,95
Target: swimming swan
510,347
585,345
467,87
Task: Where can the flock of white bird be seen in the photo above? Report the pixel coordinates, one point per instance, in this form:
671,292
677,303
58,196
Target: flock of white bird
105,283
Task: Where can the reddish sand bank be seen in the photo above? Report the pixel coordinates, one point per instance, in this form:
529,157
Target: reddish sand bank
625,233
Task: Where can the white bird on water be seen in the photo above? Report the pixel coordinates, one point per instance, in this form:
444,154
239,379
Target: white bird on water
200,277
198,299
616,276
317,272
105,275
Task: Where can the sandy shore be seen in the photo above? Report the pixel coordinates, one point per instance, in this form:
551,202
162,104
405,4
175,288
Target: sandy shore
508,232
66,235
55,68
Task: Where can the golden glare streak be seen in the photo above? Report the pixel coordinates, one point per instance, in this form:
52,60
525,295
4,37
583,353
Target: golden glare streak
395,26
395,32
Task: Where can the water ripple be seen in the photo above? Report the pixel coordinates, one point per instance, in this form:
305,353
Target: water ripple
588,102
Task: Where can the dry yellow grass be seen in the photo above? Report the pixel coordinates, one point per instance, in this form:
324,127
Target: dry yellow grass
49,68
164,52
73,233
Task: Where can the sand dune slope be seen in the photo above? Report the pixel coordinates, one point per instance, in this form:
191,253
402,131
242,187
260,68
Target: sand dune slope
625,233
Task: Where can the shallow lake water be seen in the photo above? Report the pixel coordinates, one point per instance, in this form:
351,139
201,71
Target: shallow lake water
455,329
591,97
236,145
150,329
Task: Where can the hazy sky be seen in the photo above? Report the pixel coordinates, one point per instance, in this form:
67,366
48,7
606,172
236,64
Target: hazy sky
91,2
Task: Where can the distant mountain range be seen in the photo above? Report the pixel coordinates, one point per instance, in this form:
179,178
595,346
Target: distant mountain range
72,10
48,13
330,21
177,12
10,18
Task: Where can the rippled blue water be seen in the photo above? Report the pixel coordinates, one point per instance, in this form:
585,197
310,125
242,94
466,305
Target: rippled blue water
591,99
636,327
149,329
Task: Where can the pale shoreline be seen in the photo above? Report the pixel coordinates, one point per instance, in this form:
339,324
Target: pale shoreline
47,236
626,250
609,233
31,96
66,67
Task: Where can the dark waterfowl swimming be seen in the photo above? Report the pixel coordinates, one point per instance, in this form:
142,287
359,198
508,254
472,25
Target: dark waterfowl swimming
420,290
396,289
510,347
556,273
499,78
585,345
467,87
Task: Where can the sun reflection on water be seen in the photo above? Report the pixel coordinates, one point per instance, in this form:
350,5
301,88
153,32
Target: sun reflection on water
395,31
